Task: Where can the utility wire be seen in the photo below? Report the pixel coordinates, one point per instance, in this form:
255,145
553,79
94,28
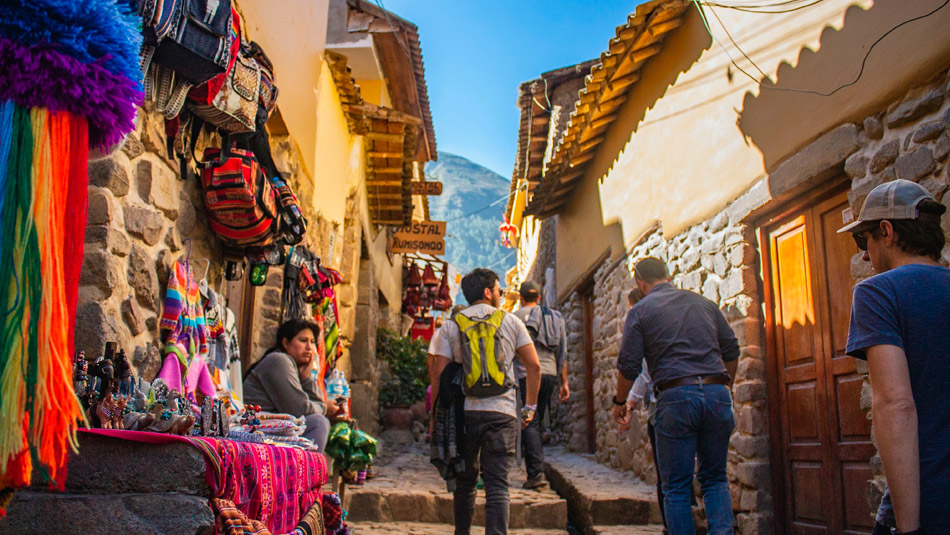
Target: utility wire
482,209
764,8
809,91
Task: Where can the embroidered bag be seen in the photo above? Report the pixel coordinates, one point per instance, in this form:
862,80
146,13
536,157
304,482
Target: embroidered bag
191,37
234,107
241,202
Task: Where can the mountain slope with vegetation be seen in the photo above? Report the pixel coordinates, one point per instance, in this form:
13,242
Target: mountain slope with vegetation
473,202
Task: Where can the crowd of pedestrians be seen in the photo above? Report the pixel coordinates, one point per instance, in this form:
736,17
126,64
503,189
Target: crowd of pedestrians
678,358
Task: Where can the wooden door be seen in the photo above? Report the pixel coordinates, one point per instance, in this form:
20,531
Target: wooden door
821,438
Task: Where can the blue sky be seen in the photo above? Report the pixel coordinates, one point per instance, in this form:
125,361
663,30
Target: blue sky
476,54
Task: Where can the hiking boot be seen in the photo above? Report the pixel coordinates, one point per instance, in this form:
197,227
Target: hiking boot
535,483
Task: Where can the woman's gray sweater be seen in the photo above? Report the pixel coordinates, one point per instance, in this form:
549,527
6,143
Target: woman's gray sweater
276,386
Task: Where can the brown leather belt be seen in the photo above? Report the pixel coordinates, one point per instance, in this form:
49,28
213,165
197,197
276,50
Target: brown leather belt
694,380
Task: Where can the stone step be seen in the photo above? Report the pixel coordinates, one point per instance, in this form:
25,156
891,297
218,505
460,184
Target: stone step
528,509
419,528
599,496
650,529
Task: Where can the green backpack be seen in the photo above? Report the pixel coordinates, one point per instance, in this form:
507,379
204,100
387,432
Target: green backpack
483,359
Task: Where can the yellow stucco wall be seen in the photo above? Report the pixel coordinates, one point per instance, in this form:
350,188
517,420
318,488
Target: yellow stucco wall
375,92
293,35
675,154
338,160
904,58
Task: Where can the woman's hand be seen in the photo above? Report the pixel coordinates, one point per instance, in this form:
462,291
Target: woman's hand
334,409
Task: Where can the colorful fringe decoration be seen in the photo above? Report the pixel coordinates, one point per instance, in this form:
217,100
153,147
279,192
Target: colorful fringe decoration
69,80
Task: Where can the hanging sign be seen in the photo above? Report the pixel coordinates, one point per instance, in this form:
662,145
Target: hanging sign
426,188
427,237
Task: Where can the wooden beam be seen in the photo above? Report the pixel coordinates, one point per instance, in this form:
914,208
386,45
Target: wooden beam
385,195
387,170
619,82
386,136
571,175
386,154
588,145
581,158
371,182
663,27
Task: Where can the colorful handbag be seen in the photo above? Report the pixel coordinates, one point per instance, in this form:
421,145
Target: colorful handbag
241,203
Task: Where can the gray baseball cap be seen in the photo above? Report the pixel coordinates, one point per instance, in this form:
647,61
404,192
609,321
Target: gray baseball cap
529,289
897,199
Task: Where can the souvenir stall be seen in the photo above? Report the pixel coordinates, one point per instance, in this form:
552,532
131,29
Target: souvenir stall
72,77
426,293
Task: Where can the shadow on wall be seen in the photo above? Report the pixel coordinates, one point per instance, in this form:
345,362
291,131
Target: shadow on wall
847,79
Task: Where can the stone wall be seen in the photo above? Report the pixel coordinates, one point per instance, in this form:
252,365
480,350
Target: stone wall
141,218
909,140
716,259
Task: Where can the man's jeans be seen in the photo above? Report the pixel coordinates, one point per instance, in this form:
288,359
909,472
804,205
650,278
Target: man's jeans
531,435
494,435
691,421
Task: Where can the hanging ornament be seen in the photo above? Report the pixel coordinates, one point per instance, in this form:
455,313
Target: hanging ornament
415,280
508,232
429,278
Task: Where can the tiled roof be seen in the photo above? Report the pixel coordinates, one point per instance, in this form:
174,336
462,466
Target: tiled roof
390,150
534,103
401,45
606,89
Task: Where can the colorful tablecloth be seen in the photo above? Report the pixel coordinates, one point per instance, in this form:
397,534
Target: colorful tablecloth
273,484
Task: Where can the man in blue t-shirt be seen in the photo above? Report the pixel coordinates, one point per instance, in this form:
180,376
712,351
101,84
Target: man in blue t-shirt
900,323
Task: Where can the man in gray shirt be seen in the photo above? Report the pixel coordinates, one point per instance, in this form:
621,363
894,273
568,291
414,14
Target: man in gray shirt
547,330
692,355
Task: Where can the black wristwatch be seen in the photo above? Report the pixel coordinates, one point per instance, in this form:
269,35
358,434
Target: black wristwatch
618,403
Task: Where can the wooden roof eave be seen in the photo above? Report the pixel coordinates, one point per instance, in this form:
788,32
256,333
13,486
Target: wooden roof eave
605,90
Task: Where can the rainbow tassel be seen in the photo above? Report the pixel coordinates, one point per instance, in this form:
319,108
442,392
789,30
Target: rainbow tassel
70,79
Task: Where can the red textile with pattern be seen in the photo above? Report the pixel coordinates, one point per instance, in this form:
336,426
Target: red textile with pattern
276,485
273,484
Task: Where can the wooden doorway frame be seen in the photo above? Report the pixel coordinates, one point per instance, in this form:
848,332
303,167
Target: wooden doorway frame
778,211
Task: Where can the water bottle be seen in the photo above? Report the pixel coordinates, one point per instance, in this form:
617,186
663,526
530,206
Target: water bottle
335,385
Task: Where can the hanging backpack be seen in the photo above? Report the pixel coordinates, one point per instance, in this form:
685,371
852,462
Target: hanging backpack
191,37
241,203
483,358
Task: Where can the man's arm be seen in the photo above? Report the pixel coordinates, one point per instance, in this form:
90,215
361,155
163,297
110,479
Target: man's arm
629,364
529,359
564,392
435,375
895,426
731,367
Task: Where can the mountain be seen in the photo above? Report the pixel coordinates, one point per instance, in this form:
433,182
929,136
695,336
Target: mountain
472,239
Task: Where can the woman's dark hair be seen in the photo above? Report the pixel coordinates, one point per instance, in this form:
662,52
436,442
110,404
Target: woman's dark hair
922,236
290,329
474,284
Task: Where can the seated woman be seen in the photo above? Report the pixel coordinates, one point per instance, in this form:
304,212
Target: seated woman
282,380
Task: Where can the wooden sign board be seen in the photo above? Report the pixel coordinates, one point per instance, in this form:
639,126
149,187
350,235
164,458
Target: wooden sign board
427,237
426,188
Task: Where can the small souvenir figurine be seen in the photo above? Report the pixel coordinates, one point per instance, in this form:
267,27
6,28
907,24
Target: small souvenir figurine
250,418
80,375
137,421
123,374
106,409
118,413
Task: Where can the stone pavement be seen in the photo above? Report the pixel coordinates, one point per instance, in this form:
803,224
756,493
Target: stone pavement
602,500
409,496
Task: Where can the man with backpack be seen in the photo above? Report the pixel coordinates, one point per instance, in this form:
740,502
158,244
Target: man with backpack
547,329
484,341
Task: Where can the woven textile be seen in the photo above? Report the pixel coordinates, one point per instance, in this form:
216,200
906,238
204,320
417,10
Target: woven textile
276,485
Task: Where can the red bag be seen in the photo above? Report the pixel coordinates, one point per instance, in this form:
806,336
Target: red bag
241,203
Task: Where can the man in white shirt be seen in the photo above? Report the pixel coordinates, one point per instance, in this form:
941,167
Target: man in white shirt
491,423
